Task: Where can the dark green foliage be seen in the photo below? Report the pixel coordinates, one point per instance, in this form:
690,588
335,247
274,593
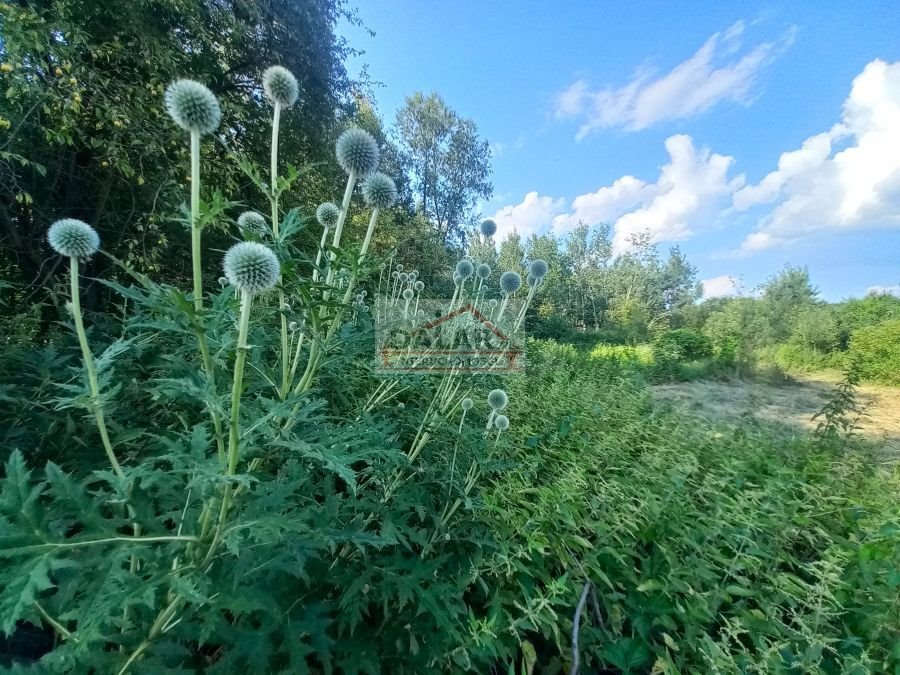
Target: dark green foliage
89,137
684,344
876,350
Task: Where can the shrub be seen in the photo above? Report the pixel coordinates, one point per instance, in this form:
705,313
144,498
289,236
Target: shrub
684,344
876,350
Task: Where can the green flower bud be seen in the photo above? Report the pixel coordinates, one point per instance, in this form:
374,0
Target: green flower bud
280,86
497,399
192,106
379,191
357,151
252,267
73,238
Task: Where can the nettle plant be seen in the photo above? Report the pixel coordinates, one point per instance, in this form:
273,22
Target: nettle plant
246,498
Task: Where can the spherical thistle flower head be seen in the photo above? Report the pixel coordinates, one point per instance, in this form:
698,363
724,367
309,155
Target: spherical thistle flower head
399,267
464,269
73,238
419,286
510,282
357,151
280,86
493,302
488,227
420,313
483,271
501,422
404,277
497,399
223,282
364,292
538,269
251,267
193,106
253,223
408,294
293,326
327,214
379,191
466,403
395,274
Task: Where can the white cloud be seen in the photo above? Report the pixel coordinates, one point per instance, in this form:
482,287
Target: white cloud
720,287
606,204
847,178
719,71
690,187
688,192
529,216
884,290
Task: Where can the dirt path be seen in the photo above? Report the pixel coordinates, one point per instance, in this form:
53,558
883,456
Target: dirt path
790,405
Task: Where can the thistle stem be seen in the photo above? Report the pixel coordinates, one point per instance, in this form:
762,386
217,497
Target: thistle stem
339,230
276,123
365,246
238,383
91,372
195,220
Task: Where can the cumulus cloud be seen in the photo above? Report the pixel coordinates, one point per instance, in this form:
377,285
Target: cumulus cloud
723,286
529,216
847,178
689,190
721,70
884,290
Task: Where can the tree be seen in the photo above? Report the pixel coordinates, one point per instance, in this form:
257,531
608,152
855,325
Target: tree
83,141
449,163
784,295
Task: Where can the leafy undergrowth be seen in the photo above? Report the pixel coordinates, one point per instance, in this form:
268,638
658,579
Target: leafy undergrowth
709,549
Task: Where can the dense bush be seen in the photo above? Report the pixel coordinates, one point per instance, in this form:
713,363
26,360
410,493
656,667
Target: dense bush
876,350
684,344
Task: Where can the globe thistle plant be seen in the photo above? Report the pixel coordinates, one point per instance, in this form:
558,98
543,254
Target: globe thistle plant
497,399
280,86
510,282
251,267
195,109
419,286
538,269
501,423
193,106
466,405
357,153
464,269
408,294
73,238
328,215
379,191
488,227
78,241
251,222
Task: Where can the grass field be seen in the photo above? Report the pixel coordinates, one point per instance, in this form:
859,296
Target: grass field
788,406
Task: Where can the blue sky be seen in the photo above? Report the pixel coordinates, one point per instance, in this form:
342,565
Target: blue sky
752,135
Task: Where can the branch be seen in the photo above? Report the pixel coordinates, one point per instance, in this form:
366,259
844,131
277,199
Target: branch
576,625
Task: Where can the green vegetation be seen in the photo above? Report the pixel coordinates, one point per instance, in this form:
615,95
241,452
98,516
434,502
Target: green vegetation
204,472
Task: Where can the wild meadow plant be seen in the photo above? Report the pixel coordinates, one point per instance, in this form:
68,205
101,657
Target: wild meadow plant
234,516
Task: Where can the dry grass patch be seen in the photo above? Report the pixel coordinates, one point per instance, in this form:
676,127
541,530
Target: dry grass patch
790,406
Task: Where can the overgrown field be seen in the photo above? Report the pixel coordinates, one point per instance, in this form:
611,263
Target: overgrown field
706,548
